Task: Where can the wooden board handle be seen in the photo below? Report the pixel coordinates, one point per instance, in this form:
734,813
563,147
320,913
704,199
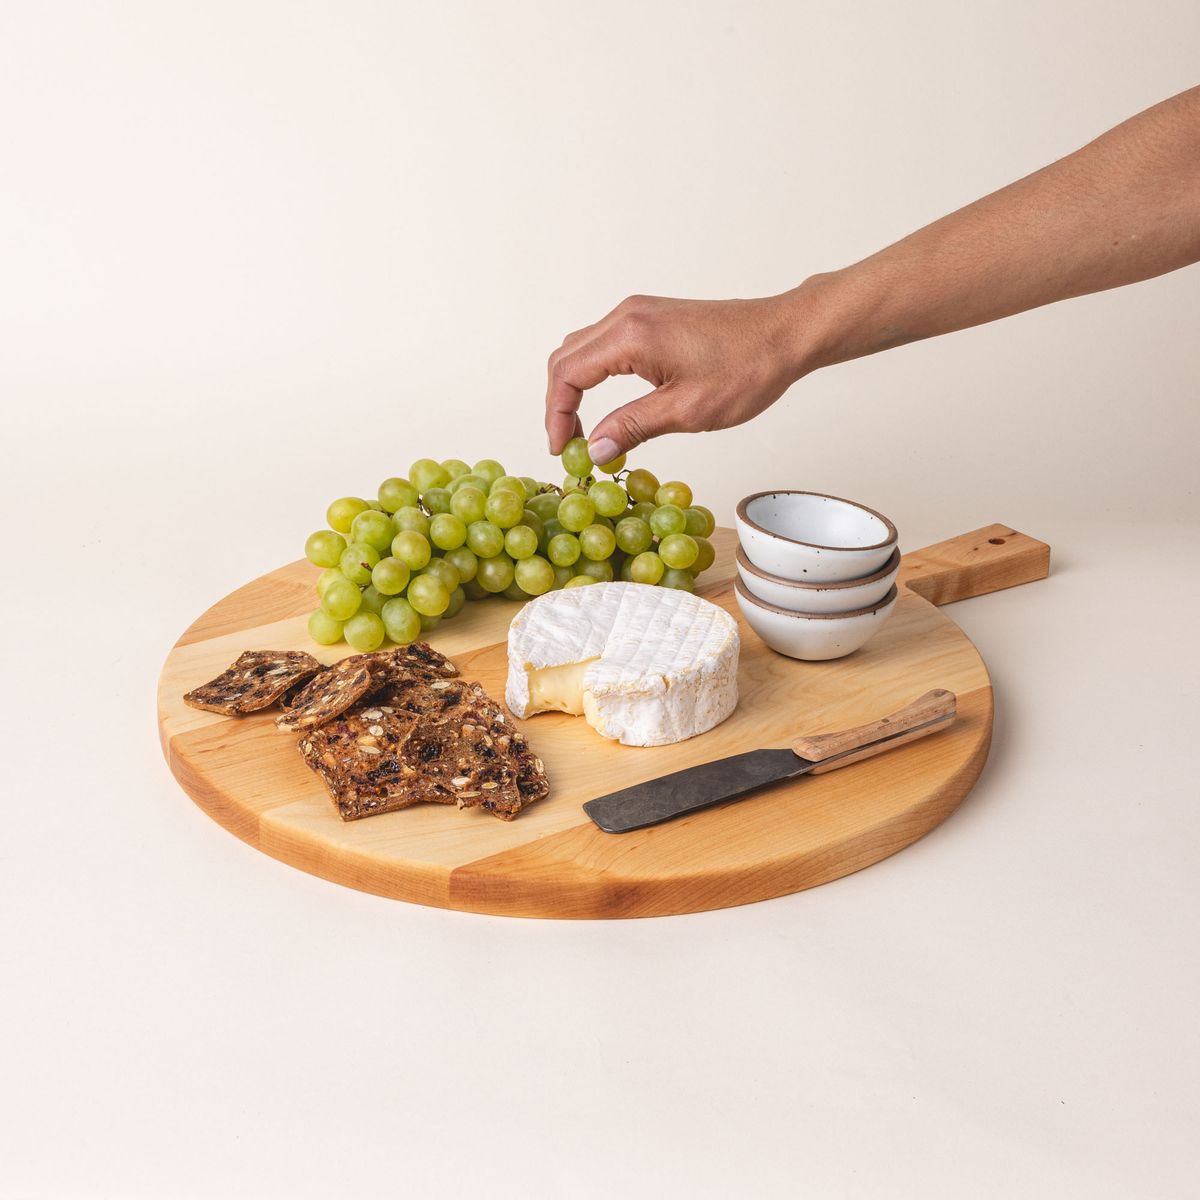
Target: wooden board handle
974,564
927,714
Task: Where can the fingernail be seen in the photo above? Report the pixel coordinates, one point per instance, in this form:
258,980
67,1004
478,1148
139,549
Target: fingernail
603,450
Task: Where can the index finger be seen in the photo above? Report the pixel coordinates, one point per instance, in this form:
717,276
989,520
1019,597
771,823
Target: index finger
562,409
570,374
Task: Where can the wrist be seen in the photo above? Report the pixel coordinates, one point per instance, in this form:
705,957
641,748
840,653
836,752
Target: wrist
814,323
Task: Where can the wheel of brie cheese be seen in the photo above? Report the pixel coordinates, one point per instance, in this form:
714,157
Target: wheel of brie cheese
646,666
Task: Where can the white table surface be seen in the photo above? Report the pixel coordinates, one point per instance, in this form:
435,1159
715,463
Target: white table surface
257,256
1006,1007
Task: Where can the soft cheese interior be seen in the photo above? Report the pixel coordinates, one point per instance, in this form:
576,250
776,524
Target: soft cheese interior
645,666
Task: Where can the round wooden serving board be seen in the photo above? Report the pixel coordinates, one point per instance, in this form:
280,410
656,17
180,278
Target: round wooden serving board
552,861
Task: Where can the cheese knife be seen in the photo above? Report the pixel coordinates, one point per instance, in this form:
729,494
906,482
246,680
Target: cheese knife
695,788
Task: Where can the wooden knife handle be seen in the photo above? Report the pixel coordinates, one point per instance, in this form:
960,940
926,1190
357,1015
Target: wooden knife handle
931,712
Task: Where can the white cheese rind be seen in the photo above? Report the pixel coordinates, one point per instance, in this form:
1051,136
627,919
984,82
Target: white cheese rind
665,664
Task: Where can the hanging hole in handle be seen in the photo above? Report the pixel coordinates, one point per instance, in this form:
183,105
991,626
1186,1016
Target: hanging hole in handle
996,541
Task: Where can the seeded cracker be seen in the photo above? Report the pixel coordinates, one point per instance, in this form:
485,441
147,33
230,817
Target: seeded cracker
437,741
326,695
256,681
416,661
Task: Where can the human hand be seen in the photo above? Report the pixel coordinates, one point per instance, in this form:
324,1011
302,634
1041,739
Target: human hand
713,364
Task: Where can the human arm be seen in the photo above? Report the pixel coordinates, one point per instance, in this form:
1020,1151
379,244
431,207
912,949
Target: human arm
1124,208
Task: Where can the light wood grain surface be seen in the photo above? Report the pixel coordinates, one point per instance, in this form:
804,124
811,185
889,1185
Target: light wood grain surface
551,861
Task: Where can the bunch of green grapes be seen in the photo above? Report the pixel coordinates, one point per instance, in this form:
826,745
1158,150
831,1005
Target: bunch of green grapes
396,566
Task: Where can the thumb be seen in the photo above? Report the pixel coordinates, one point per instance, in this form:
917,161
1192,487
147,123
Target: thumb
647,417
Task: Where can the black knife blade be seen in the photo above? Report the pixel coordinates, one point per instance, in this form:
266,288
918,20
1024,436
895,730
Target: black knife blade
694,788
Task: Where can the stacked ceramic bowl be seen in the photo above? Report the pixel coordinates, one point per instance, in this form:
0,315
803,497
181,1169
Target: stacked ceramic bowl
816,574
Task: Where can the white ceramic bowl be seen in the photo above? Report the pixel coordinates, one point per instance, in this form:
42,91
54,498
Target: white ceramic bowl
811,538
849,596
813,636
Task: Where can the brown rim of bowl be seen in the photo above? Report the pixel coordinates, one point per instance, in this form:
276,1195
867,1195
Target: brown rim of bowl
755,602
746,500
892,564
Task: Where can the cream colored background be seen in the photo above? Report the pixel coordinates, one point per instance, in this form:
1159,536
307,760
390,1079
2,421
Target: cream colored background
253,256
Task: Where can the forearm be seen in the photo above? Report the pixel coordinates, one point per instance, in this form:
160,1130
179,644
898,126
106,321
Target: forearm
1124,208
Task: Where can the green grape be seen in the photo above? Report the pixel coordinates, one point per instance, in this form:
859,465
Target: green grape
610,499
426,474
530,518
633,535
613,465
397,493
375,505
400,620
447,531
551,529
675,493
341,599
575,457
495,573
643,510
446,572
520,542
412,549
341,512
705,555
602,572
680,580
373,599
411,518
429,595
357,562
580,581
485,540
532,487
464,562
564,549
364,631
375,528
667,520
437,500
545,504
646,568
504,508
562,574
515,591
535,575
705,514
576,483
454,467
324,548
626,571
607,522
489,470
474,590
641,485
469,504
509,483
678,551
390,576
597,542
323,629
428,623
576,512
458,598
326,577
469,480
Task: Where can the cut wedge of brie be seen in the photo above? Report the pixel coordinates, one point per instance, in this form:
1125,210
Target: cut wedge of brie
646,666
